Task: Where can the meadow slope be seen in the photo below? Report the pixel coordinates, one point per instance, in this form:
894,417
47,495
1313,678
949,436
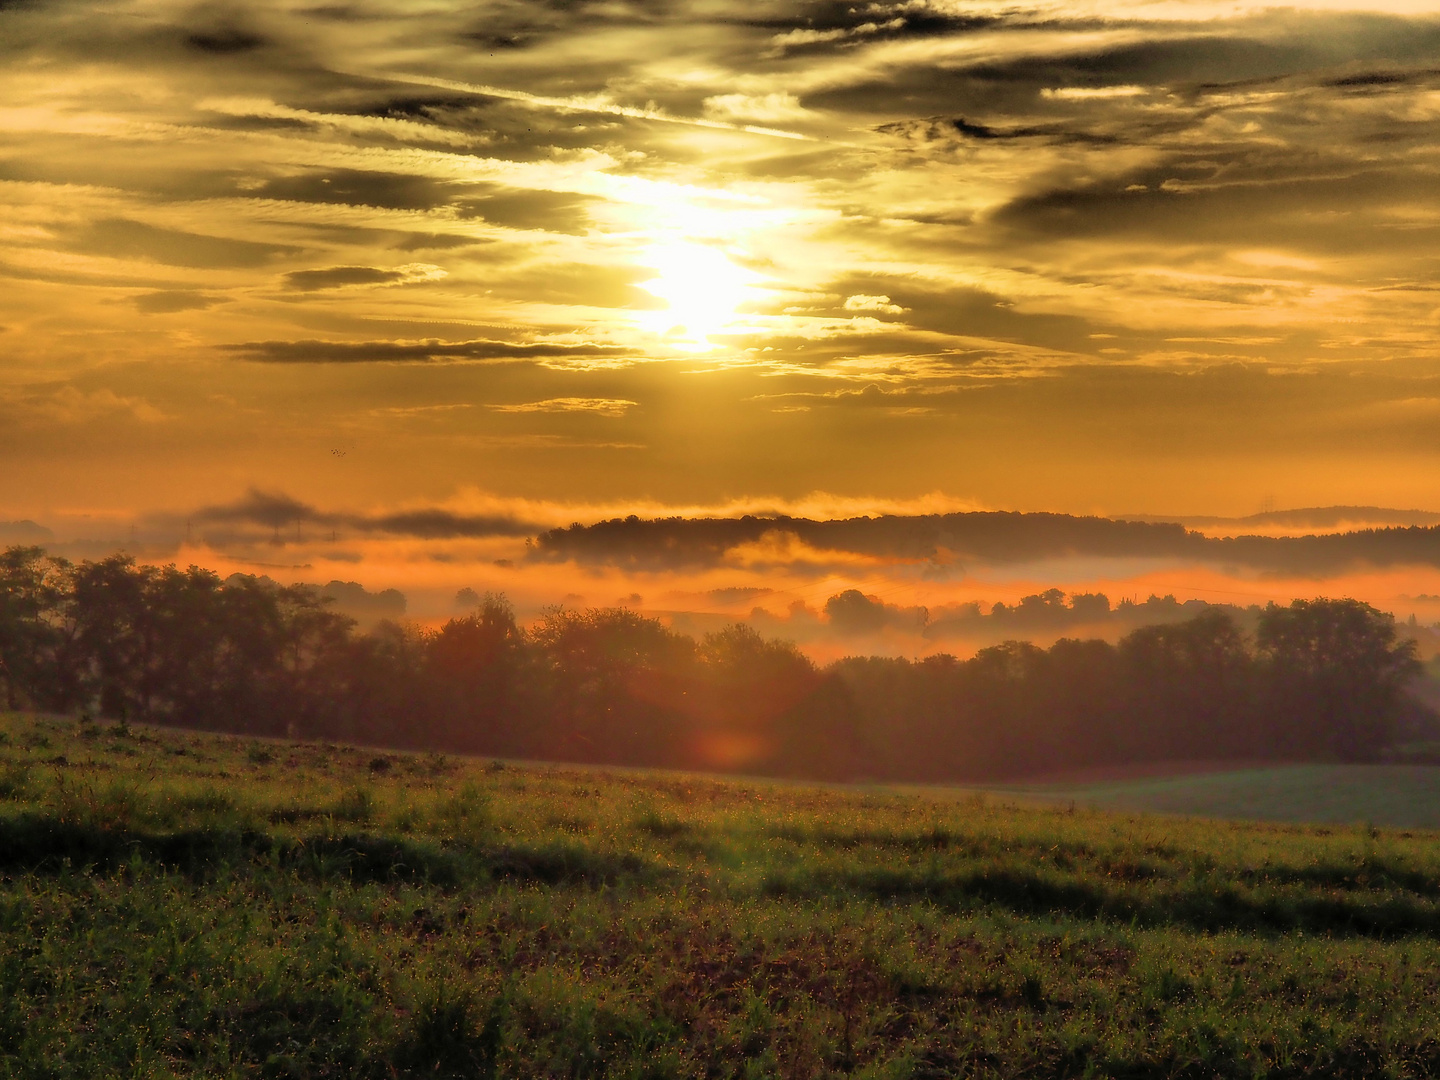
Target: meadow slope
178,904
1403,796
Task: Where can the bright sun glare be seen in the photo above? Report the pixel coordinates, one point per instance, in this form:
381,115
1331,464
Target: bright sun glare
702,289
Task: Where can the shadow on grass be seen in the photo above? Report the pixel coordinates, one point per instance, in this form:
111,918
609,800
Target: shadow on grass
1373,872
46,844
1197,904
453,1035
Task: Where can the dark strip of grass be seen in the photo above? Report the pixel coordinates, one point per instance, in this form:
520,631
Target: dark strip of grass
1198,906
1372,873
50,844
1352,1058
45,844
1366,874
1153,861
940,838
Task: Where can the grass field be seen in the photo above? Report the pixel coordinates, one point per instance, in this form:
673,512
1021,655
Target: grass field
174,904
1402,796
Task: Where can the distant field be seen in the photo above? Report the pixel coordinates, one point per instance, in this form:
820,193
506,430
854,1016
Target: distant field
174,904
1403,796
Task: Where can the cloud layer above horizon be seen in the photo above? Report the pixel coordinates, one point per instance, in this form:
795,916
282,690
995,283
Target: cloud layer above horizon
1133,257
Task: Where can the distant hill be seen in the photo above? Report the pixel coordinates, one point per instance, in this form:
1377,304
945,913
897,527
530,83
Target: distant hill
1313,518
352,599
24,532
992,537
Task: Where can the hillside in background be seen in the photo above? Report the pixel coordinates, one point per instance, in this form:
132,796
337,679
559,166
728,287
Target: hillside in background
991,537
1314,519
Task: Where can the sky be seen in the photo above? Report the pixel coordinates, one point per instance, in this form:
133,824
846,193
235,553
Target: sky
550,260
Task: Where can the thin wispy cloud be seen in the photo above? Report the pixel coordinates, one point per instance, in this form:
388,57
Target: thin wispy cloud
612,407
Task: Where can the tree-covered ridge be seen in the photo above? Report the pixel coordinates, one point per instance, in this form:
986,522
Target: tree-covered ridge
990,536
1318,680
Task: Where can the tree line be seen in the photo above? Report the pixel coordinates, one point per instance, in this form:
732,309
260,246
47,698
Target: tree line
1317,680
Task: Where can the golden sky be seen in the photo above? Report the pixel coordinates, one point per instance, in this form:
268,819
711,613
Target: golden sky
1134,257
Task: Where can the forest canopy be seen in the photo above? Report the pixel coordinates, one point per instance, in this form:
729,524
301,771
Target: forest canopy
1322,679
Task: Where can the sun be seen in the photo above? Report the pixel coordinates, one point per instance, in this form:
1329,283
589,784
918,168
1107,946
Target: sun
702,289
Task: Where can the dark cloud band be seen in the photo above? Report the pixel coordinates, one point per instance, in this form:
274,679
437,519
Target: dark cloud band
427,351
269,510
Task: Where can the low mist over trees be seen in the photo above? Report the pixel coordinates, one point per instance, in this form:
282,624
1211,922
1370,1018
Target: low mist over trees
1318,680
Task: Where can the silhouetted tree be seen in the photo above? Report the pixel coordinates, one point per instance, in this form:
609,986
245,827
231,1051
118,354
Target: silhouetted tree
113,632
855,613
1336,675
745,706
612,678
1188,689
373,688
32,589
477,666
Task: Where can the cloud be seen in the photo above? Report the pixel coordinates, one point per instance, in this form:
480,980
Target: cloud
774,107
169,301
122,238
412,352
861,302
550,211
391,127
892,399
1091,93
613,407
360,187
601,103
1239,198
277,511
71,406
349,277
801,37
225,41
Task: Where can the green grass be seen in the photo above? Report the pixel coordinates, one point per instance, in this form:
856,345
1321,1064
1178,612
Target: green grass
1404,796
181,905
